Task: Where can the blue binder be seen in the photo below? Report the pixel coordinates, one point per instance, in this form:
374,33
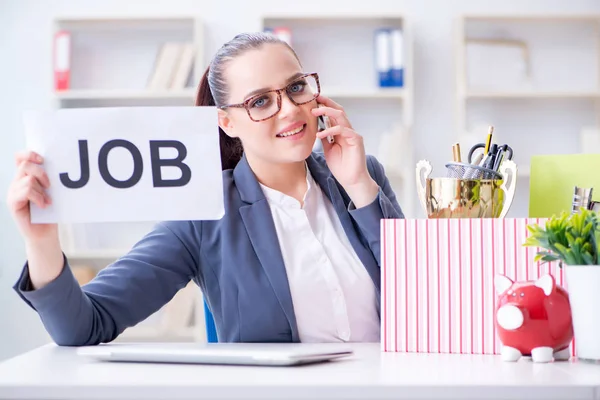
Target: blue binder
389,57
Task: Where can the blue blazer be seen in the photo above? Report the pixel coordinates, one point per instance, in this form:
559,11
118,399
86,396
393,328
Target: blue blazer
236,261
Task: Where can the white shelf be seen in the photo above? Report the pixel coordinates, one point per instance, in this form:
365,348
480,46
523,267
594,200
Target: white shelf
376,93
550,93
340,15
122,22
475,94
125,94
333,18
104,68
532,18
83,255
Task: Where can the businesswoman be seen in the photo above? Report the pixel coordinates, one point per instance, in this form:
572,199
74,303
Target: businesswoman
296,256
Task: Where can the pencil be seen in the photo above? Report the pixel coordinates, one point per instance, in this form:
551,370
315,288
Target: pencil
488,141
456,153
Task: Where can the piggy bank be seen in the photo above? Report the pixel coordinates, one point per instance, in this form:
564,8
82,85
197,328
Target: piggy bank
533,318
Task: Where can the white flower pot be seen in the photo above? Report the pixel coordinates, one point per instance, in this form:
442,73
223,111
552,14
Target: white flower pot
583,283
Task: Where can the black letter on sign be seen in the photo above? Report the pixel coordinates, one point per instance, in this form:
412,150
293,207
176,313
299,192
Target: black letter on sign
138,164
157,163
84,163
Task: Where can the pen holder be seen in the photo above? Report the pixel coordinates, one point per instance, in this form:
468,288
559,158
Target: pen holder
458,197
469,171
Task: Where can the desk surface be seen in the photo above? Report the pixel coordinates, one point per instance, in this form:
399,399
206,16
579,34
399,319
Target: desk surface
53,372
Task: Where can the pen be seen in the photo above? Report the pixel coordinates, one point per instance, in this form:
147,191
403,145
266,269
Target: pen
500,157
477,159
490,162
483,160
488,140
456,152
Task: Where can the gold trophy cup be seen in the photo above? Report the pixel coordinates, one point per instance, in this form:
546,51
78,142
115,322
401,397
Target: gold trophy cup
454,197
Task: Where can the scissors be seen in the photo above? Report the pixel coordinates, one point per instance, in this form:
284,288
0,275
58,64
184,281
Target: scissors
506,150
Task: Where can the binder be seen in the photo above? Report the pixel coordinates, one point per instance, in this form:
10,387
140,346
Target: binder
397,62
62,60
284,34
383,57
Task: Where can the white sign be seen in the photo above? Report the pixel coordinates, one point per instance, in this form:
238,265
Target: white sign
128,164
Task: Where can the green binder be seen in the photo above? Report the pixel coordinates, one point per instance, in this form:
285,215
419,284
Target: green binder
553,178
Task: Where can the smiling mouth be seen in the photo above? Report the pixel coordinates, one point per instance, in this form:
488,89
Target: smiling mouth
292,132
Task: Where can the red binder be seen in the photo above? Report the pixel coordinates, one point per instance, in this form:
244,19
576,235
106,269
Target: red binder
62,60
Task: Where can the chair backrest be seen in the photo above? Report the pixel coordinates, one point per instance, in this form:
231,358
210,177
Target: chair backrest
553,178
211,330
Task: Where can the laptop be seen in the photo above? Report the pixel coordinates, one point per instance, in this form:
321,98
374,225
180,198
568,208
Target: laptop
267,354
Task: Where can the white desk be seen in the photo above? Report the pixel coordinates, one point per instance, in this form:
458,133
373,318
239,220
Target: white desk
53,372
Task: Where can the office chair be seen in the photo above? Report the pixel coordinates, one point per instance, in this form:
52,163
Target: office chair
211,330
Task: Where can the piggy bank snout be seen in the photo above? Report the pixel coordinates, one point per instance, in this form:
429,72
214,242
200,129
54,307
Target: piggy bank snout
510,317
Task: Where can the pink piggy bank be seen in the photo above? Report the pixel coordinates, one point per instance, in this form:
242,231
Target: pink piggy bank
533,318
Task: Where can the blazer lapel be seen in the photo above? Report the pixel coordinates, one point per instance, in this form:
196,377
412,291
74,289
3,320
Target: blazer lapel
259,224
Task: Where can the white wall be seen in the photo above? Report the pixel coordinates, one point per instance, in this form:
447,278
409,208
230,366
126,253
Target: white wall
25,71
20,329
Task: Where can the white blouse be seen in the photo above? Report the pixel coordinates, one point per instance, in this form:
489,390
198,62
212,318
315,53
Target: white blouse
333,295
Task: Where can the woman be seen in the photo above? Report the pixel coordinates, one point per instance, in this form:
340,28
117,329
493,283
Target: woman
296,256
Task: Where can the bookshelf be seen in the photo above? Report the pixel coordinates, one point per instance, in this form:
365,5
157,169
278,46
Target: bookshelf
341,48
186,95
120,59
115,62
113,59
535,78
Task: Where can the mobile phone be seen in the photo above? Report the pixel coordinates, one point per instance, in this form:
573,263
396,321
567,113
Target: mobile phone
325,123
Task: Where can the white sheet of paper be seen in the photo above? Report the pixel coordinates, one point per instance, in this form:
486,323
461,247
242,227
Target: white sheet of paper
56,134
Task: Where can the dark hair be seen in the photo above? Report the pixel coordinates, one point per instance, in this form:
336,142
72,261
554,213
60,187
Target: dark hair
212,90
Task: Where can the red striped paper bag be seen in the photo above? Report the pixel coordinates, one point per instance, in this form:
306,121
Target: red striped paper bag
437,277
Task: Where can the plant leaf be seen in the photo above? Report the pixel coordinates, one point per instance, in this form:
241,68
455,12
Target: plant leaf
569,238
588,259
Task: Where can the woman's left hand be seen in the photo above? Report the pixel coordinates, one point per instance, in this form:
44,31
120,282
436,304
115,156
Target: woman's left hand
346,156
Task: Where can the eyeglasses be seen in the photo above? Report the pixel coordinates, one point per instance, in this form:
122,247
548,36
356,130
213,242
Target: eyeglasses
260,107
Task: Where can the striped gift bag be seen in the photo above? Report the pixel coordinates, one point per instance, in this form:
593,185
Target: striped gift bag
437,276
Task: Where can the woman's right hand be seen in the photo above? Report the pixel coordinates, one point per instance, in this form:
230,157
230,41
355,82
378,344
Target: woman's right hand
29,186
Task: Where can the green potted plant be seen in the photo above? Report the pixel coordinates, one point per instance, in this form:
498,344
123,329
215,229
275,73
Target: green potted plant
572,239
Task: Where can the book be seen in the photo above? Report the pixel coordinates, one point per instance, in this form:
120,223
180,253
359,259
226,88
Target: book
165,66
184,68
